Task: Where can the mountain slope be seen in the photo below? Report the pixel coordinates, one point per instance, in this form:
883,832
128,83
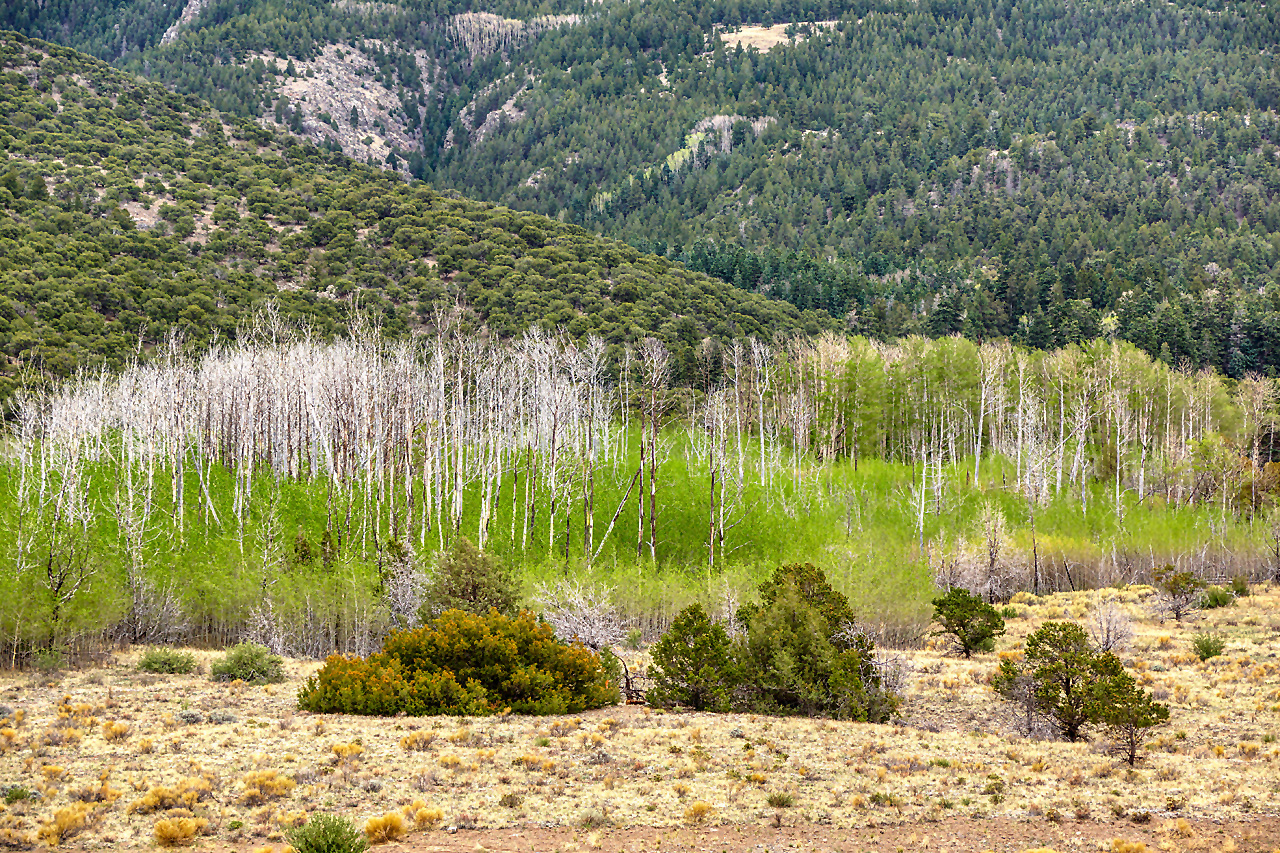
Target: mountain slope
127,211
1046,170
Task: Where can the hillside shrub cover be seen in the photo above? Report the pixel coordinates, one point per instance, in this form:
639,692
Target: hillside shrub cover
800,653
465,664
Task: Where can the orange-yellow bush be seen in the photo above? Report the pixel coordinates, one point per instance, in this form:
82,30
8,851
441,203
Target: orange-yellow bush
170,832
389,827
115,731
65,823
697,812
185,794
347,750
413,742
260,786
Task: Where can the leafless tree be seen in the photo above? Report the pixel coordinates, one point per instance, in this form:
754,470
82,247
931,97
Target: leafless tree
581,612
1110,628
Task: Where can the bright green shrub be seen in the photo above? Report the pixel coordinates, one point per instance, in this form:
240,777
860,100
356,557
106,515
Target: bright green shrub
465,664
1215,597
1208,645
327,833
250,663
163,660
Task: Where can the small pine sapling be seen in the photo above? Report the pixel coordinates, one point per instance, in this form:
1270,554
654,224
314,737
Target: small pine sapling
1126,710
968,620
1062,666
1177,593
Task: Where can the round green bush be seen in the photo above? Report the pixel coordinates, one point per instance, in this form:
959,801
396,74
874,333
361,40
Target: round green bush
159,659
327,833
250,663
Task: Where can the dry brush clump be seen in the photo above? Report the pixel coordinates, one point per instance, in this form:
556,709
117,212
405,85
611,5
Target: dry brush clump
384,828
176,831
68,822
184,794
262,786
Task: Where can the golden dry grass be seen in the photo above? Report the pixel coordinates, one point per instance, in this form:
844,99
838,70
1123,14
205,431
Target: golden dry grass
761,37
253,766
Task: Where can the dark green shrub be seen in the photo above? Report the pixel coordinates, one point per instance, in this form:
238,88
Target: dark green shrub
1177,593
1061,666
809,581
1215,597
1208,645
1064,678
250,663
967,619
327,833
465,664
794,660
1240,586
163,660
694,664
17,793
469,580
1127,711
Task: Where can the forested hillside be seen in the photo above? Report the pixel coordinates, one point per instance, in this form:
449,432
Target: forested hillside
1047,171
128,213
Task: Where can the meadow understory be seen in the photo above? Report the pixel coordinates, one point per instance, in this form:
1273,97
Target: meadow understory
110,757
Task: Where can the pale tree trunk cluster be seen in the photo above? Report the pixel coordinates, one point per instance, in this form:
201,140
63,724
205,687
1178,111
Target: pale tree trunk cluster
513,444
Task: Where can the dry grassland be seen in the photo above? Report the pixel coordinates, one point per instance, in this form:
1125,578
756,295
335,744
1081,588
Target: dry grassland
760,37
123,759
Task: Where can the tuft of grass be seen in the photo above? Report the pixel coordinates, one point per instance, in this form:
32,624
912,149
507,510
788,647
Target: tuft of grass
250,663
327,833
698,812
166,661
780,800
